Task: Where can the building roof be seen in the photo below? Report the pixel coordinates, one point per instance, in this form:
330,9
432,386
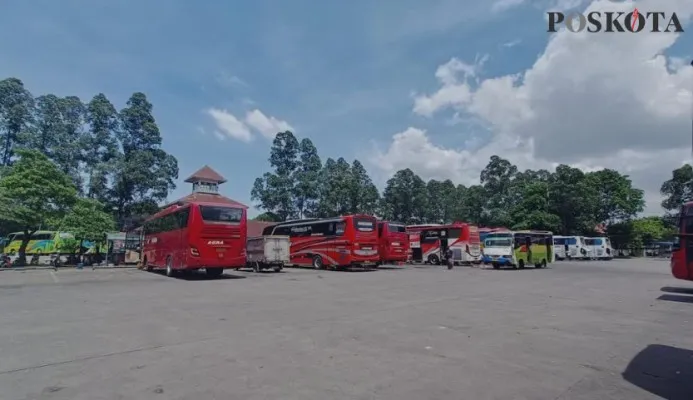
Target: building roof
198,197
255,227
206,174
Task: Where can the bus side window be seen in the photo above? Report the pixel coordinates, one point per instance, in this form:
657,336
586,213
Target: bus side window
339,229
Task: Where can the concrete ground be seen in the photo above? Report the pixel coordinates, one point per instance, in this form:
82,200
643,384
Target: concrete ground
583,330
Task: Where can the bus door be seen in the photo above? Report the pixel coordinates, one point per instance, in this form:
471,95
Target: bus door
444,243
415,239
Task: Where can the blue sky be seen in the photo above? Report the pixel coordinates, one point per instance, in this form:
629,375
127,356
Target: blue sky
341,73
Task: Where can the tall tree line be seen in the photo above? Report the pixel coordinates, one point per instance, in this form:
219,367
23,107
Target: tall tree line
111,156
566,200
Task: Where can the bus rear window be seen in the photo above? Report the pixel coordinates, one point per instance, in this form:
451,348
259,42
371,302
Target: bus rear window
221,214
364,225
396,228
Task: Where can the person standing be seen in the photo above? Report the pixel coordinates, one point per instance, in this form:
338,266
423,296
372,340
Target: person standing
448,258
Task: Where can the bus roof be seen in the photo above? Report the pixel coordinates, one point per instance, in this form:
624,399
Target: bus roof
534,231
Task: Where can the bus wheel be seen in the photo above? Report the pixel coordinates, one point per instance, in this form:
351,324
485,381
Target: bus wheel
169,267
521,264
214,272
317,262
433,259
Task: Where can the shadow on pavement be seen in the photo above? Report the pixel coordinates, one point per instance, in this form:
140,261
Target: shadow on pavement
664,371
671,289
200,276
677,298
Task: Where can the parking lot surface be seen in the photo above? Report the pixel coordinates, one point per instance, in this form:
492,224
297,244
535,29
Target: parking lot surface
581,330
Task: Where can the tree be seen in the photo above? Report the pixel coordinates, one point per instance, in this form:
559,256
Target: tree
405,198
88,221
101,148
34,192
363,194
617,200
336,185
16,103
678,189
497,179
145,172
267,217
276,191
307,174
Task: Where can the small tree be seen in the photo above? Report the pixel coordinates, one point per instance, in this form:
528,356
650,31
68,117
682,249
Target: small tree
34,191
88,221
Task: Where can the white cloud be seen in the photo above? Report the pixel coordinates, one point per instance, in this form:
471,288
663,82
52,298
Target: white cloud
228,125
591,100
267,126
512,43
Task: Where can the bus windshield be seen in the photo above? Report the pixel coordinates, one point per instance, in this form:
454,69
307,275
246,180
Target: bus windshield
396,228
220,214
364,225
498,242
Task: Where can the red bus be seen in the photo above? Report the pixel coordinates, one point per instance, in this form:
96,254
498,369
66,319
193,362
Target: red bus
682,253
192,236
393,242
430,242
338,242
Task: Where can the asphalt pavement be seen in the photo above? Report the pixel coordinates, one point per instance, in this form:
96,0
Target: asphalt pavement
578,330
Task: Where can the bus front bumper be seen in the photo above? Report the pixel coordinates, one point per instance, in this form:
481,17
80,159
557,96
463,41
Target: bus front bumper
500,260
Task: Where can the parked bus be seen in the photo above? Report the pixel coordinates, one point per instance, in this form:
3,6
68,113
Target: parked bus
45,242
498,249
519,249
485,231
338,242
430,242
570,247
393,242
682,252
193,236
599,248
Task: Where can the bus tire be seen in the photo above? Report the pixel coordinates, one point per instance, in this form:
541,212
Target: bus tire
317,262
521,264
214,272
169,267
433,259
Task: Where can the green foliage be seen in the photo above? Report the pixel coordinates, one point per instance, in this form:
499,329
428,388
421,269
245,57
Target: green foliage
34,192
678,189
267,217
69,245
113,157
87,220
640,232
16,104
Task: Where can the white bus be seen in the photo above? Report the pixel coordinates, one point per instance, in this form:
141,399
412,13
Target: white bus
599,248
570,247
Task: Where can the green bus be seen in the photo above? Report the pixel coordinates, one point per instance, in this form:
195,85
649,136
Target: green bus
519,249
44,243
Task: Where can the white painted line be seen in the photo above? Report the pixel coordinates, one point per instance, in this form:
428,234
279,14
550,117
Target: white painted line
55,277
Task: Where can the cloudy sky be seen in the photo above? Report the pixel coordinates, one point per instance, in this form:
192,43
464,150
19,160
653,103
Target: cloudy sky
437,86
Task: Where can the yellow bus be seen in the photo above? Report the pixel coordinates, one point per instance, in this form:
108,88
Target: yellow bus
43,242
